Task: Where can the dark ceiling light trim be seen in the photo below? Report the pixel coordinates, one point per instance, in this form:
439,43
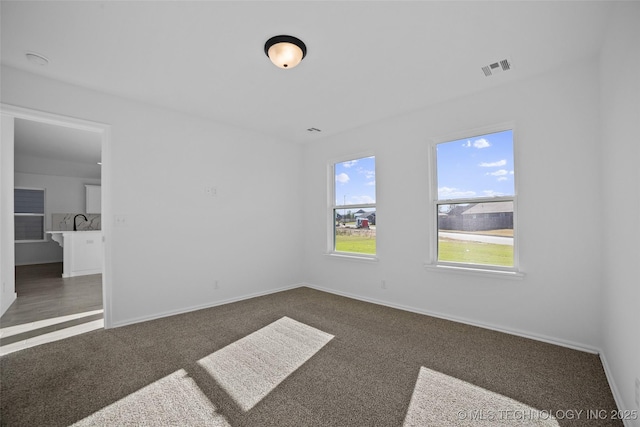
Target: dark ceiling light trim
36,58
285,51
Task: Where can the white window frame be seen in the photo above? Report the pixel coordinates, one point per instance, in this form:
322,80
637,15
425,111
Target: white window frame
43,215
468,268
331,206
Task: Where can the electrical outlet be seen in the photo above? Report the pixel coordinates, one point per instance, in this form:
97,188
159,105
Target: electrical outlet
638,392
383,284
120,220
216,285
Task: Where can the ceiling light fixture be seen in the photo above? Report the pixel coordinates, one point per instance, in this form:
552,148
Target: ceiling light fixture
285,51
36,58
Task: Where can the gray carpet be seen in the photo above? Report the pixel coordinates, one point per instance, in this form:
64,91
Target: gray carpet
439,399
300,358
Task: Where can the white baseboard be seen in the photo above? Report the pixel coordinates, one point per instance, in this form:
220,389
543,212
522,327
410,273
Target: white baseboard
83,273
201,306
524,334
38,262
6,303
616,392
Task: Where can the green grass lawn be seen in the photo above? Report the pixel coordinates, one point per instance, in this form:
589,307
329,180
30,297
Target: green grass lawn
448,250
504,232
475,252
356,243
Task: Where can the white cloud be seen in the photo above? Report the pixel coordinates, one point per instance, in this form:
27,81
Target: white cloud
499,172
349,163
491,193
368,174
454,193
359,200
342,178
481,143
502,178
467,144
493,164
371,183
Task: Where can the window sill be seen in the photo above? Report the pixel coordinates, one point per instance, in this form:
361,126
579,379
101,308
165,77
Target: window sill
475,271
352,257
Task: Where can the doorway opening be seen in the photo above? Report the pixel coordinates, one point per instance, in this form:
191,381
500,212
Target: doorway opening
59,266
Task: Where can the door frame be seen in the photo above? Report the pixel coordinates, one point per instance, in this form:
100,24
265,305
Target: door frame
105,131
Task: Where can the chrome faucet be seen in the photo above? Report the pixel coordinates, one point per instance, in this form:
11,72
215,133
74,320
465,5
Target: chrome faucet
75,228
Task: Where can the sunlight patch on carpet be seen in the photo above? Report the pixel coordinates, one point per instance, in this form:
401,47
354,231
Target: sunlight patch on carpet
253,366
32,326
52,336
173,400
440,400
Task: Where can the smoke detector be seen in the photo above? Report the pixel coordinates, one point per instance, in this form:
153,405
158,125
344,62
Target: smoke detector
497,67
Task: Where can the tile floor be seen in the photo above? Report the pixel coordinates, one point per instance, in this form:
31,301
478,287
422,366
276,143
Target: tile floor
49,307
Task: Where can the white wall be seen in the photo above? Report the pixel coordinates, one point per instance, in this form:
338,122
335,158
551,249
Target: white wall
557,171
177,241
7,272
620,94
62,195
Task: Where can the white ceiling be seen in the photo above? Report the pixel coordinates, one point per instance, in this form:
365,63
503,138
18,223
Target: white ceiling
366,61
56,150
56,142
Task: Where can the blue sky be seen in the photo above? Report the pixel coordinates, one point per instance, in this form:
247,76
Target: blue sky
481,166
356,181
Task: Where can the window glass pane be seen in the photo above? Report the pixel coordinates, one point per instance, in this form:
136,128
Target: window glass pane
355,191
355,231
481,166
476,233
28,201
29,227
355,182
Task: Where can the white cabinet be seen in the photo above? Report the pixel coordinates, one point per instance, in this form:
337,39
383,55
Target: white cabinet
94,199
82,251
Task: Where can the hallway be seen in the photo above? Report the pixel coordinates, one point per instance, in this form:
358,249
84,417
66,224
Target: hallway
50,307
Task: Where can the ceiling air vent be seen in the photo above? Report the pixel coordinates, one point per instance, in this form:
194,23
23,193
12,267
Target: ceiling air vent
497,67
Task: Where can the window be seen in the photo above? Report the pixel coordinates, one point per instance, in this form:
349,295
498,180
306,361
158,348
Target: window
354,206
29,214
475,202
